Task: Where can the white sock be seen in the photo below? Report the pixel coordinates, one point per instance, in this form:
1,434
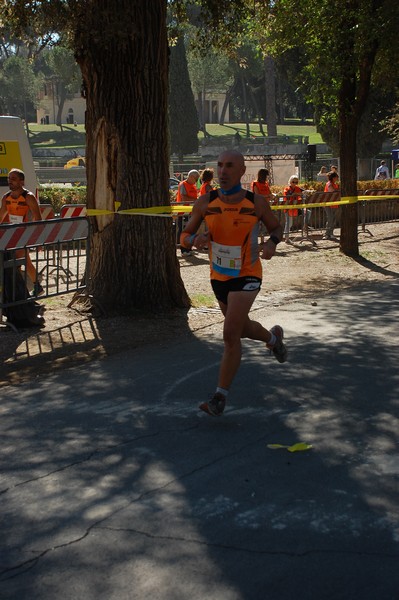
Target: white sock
222,391
272,340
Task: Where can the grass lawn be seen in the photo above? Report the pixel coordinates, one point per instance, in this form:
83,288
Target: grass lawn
290,129
51,136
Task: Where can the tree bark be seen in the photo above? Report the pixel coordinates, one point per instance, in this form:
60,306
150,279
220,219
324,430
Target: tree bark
347,141
257,111
133,258
245,103
270,84
60,105
225,105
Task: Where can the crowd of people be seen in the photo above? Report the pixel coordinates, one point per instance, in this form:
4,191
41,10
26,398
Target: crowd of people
199,183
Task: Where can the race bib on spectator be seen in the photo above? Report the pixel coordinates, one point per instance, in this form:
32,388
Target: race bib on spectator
16,218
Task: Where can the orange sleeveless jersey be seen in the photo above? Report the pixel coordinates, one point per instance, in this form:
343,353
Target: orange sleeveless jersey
203,187
233,250
17,208
191,191
263,188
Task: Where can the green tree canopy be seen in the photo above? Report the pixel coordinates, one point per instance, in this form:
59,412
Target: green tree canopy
18,87
346,47
391,121
65,75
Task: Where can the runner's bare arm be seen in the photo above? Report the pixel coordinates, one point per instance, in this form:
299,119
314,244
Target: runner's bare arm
3,209
188,237
34,207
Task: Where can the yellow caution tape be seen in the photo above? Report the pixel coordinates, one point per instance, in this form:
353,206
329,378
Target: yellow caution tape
93,212
345,200
156,211
379,197
177,209
299,447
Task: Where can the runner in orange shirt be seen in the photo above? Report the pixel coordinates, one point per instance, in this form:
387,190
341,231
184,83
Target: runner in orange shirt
232,215
17,203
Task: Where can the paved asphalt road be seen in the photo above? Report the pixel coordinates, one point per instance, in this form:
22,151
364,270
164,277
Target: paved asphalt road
114,486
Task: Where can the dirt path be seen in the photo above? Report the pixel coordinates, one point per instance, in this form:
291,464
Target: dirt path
297,271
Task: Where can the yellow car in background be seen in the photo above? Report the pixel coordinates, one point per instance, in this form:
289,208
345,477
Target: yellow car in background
78,161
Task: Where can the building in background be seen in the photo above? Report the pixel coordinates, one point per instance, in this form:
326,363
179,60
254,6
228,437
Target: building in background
73,110
74,107
213,107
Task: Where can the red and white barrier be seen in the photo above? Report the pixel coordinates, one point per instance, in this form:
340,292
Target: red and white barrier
47,211
69,211
41,233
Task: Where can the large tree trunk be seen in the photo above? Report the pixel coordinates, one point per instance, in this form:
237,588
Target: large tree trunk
348,158
349,215
121,47
245,103
257,111
270,83
60,105
225,105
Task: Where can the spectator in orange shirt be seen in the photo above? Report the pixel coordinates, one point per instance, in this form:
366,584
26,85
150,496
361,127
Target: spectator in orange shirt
331,186
261,185
292,195
187,193
206,181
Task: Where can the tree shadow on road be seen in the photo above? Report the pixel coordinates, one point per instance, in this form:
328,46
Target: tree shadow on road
115,486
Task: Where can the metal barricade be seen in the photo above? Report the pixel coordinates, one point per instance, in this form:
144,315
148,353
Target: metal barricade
69,243
73,210
378,211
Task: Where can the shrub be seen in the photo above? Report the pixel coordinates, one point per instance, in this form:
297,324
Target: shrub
57,197
384,184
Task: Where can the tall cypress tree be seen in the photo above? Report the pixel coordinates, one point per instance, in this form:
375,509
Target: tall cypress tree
183,116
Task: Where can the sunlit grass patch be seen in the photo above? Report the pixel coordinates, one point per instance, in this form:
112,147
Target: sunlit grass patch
373,255
203,300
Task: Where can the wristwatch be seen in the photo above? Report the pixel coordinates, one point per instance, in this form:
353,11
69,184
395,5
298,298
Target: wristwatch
274,239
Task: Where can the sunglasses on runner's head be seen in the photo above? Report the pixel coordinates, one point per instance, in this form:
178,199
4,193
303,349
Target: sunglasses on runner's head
294,181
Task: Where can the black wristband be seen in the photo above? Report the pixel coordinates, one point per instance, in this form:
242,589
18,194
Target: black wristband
274,239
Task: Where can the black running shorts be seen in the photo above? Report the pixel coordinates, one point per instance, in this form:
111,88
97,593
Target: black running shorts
221,289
